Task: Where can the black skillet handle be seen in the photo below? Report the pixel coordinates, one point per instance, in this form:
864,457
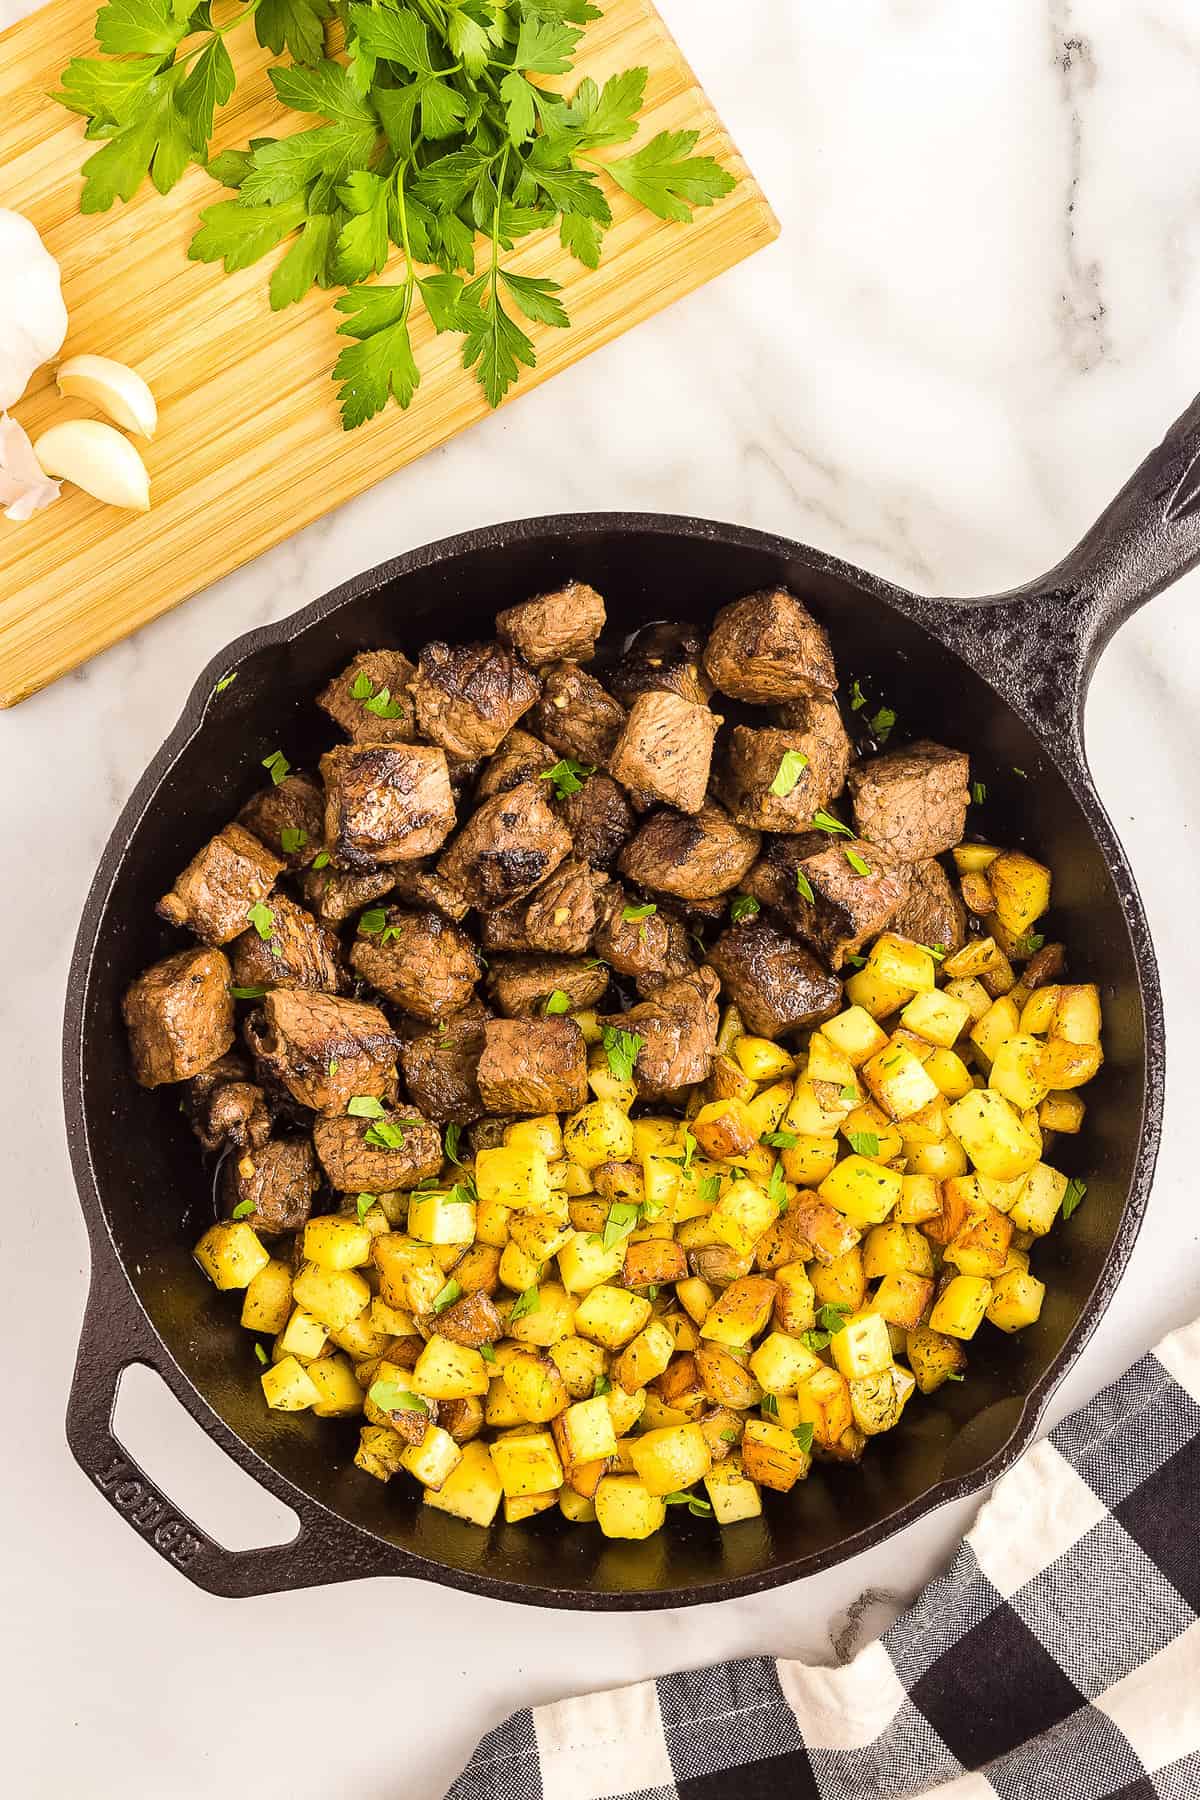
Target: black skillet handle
116,1335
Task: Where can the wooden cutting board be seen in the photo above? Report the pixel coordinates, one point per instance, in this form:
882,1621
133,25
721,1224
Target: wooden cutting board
249,446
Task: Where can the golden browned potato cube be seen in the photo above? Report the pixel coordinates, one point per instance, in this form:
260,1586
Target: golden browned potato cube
978,956
869,991
809,1159
585,1264
878,1400
599,1132
862,1347
362,1338
1022,890
959,1309
861,1190
772,1457
471,1490
1000,1022
335,1296
780,1363
534,1385
903,1299
937,1016
855,1033
517,1270
795,1301
410,1276
981,1246
950,1074
977,893
527,1464
288,1386
823,1401
580,1363
576,1507
1038,1011
841,1282
433,1459
817,1108
993,1135
447,1371
972,992
379,1451
654,1262
1061,1112
741,1216
492,1220
934,1359
670,1459
339,1395
526,1506
584,1433
765,1112
1016,1300
696,1297
724,1380
1076,1014
268,1301
895,1249
939,1161
626,1409
741,1312
302,1337
731,1493
626,1509
1016,1071
898,1080
971,859
724,1130
901,962
645,1357
231,1255
611,1316
919,1199
333,1242
931,1125
1067,1065
760,1058
516,1176
499,1409
1036,1207
544,1134
552,1320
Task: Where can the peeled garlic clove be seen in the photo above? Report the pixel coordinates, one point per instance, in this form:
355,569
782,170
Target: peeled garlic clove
98,460
117,390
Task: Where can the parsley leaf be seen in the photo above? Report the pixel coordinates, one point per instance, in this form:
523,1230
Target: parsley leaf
1073,1197
447,1295
387,1134
803,1435
823,821
777,1188
882,723
666,178
601,1385
701,1508
363,1204
804,886
624,1216
557,1002
389,1396
978,792
452,1136
243,1209
293,838
366,1106
792,765
744,906
780,1140
226,681
381,363
262,919
630,914
261,1354
277,766
487,1353
857,698
321,860
856,862
295,25
621,1049
248,993
769,1406
710,1188
528,1302
568,776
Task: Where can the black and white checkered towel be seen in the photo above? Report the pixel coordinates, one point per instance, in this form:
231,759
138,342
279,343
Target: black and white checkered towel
1058,1659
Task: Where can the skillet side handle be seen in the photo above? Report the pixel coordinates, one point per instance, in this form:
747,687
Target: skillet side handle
114,1337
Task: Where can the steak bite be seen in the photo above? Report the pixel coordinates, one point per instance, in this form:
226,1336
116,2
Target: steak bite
678,1029
663,658
519,758
378,1156
776,778
419,961
507,846
386,803
933,914
278,1178
554,626
519,986
324,1050
334,895
599,819
533,1066
179,1015
469,696
776,984
693,857
370,699
225,1105
439,1067
576,716
847,908
665,750
297,952
913,801
214,894
422,887
649,944
288,818
561,914
768,647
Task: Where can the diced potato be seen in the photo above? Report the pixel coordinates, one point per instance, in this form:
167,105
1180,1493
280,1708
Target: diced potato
535,1386
993,1135
645,1358
410,1275
960,1307
1038,1011
1066,1065
862,1347
823,1401
919,1199
971,992
1016,1300
626,1409
599,1132
741,1216
339,1395
724,1130
999,1022
696,1297
898,1081
434,1217
1016,1070
795,1300
500,1409
841,1282
949,1073
855,1033
580,1364
971,859
977,893
519,1271
584,1264
928,1126
335,1296
303,1337
607,1086
526,1506
1022,889
671,1459
902,963
527,1464
379,1451
654,1136
772,1457
551,1320
861,1190
724,1380
683,1332
268,1299
828,1062
585,1431
731,1493
981,1246
765,1112
576,1507
978,956
513,1175
543,1134
869,990
231,1255
934,1359
1058,1112
937,1016
471,1490
363,1338
288,1386
896,1249
903,1299
780,1363
611,1316
878,1400
1076,1015
761,1059
626,1509
818,1109
938,1161
1036,1208
573,1180
447,1371
337,1243
492,1220
539,1234
740,1313
809,1160
433,1459
654,1262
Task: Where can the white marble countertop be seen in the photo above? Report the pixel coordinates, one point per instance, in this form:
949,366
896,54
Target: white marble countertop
983,310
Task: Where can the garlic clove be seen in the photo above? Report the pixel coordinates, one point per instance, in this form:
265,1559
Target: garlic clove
97,459
116,389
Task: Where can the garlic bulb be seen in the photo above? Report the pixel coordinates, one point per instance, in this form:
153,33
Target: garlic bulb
98,459
33,319
24,485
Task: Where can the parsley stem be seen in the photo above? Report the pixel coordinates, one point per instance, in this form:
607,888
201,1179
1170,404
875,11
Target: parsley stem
217,31
410,277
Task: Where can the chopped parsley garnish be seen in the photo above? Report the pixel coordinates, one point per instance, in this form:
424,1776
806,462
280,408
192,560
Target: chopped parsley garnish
856,862
710,1188
621,1049
1020,773
602,1385
881,725
387,1134
624,1216
955,1375
321,860
1033,940
777,1188
1073,1197
243,1209
262,919
864,1143
770,1406
978,792
277,766
487,1353
227,681
366,1106
803,1435
373,923
831,1318
849,1094
389,1396
333,1065
856,962
293,838
363,1205
631,914
568,776
447,1296
937,951
744,906
824,821
857,698
558,1002
780,1140
528,1302
729,1437
453,1133
261,1354
248,993
804,886
693,1502
792,765
383,706
362,686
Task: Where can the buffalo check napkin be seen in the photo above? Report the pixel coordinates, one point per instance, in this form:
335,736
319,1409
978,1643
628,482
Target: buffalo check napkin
1057,1659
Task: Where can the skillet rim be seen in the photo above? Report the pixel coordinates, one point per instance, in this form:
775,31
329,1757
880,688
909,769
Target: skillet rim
315,1516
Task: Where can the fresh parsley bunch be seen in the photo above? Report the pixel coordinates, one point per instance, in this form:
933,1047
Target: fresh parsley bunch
428,135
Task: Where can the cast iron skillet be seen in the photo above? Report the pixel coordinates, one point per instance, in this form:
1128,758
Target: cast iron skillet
1003,677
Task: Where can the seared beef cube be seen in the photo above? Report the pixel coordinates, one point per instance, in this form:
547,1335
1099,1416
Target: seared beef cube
507,846
599,819
848,908
664,658
552,627
665,750
297,952
370,699
693,856
519,758
560,915
933,914
654,944
472,1321
775,983
769,647
225,1106
469,696
419,961
678,1029
576,716
519,986
324,1050
424,887
179,1015
279,1179
504,929
439,1067
289,819
386,803
378,1156
214,894
912,801
533,1066
773,878
335,895
757,763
